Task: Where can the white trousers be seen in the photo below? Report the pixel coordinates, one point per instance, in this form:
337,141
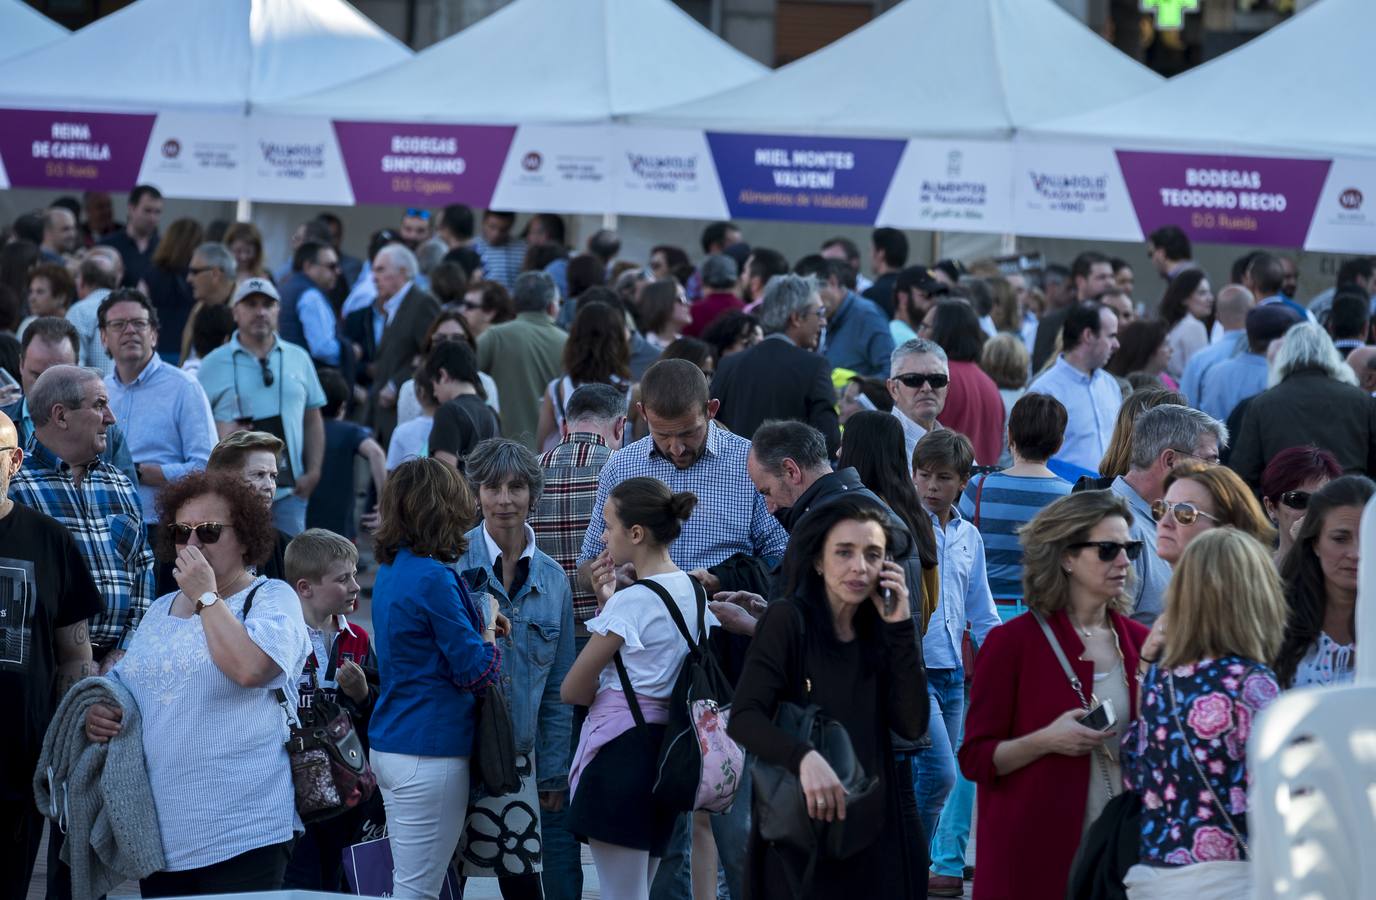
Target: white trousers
426,798
1224,880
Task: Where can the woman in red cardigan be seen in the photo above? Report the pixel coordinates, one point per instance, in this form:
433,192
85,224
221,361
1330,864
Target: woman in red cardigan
1043,777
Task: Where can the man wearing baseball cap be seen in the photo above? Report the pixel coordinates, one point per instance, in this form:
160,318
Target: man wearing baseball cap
259,382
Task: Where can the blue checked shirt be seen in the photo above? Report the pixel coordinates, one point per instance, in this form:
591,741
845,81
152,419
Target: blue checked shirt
730,516
105,518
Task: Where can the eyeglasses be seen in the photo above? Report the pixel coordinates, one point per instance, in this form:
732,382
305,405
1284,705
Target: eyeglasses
198,270
471,305
1185,513
1211,460
117,326
916,380
818,311
1295,499
418,214
1109,550
332,266
267,373
207,532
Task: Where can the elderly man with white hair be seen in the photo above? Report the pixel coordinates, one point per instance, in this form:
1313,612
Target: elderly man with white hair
1313,399
919,378
403,313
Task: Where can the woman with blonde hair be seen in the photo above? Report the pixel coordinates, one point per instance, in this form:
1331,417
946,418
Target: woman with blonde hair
1199,498
1187,753
1005,360
1036,677
245,241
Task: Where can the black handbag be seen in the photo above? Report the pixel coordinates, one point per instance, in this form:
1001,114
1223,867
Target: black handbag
494,745
780,809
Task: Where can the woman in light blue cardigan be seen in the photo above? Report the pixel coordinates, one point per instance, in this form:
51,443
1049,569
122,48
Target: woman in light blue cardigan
434,654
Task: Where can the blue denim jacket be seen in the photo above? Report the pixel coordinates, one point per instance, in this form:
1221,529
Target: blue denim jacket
535,656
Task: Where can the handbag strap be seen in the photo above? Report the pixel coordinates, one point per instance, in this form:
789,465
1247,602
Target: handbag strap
277,693
1061,657
979,495
1199,770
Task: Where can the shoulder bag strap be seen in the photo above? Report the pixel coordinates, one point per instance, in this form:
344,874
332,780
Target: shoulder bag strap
1199,770
628,690
979,495
1060,656
278,694
248,601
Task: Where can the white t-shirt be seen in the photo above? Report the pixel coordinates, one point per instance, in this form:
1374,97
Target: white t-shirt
409,440
654,648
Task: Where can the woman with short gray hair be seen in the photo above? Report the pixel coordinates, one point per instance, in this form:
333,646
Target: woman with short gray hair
1313,399
503,835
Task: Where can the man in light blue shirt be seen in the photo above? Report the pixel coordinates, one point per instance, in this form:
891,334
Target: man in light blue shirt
257,382
1090,395
1161,437
941,469
857,335
307,318
165,412
1234,380
100,272
1231,308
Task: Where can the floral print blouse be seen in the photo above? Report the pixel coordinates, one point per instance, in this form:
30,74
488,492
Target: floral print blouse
1218,701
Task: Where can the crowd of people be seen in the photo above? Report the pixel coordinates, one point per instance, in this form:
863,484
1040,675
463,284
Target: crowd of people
1025,538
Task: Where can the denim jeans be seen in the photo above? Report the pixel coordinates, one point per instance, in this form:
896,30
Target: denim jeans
289,514
731,830
934,769
563,855
953,832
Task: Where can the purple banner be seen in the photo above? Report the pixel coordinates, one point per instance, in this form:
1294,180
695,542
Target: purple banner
396,162
1225,199
58,149
807,179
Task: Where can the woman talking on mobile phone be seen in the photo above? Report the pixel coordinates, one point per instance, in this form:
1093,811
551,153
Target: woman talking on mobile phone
844,640
1044,777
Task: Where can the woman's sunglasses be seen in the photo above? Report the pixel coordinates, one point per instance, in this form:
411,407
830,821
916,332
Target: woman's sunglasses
1109,550
1295,499
1185,513
208,532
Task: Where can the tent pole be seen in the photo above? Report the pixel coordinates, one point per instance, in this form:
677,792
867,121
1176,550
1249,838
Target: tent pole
609,220
1008,244
243,210
936,247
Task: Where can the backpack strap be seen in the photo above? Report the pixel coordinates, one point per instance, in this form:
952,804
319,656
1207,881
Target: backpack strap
699,594
629,691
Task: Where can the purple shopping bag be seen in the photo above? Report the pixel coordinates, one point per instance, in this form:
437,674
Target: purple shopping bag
368,868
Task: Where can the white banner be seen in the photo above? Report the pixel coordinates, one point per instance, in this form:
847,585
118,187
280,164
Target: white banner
666,172
1345,218
557,169
951,186
1071,190
295,160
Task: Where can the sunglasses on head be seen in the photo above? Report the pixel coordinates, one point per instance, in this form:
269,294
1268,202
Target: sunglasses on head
1295,499
1185,513
207,532
915,380
1109,550
418,214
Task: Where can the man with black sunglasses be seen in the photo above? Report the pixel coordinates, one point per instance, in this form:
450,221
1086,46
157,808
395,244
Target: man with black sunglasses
919,379
307,319
258,382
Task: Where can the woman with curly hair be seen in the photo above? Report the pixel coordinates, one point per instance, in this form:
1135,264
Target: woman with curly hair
205,666
1320,575
598,351
1186,755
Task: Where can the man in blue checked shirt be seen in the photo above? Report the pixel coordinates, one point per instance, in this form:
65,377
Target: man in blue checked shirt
689,452
64,477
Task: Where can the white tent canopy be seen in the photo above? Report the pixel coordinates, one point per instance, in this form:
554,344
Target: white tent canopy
25,29
546,61
204,55
1304,86
931,68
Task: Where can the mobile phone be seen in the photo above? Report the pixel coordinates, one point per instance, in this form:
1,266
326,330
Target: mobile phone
886,594
1102,717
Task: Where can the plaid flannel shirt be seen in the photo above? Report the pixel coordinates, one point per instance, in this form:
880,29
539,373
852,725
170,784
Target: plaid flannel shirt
105,517
565,508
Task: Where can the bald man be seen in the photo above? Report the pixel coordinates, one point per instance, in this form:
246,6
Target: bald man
1230,308
1363,362
46,596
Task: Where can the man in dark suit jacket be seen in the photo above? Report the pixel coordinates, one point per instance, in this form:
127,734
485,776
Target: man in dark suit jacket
408,312
782,377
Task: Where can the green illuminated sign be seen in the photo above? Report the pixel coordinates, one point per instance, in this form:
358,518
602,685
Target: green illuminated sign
1170,14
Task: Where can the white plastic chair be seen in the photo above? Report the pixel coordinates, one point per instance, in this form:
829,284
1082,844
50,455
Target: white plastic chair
1312,756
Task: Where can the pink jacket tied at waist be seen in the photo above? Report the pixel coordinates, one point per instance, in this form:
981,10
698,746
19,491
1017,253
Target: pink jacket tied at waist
609,717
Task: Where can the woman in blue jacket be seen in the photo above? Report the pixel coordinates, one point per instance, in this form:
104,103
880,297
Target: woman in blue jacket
508,836
434,652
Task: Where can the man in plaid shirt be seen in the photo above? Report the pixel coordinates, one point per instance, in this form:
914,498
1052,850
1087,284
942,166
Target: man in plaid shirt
594,422
64,477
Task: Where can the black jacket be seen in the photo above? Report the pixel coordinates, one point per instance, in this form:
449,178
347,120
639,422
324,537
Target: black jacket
1308,407
777,379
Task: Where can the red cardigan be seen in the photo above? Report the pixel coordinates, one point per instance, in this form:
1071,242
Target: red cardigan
974,407
1030,820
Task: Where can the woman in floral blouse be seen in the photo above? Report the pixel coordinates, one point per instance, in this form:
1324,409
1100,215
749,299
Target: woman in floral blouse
1187,753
